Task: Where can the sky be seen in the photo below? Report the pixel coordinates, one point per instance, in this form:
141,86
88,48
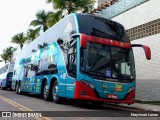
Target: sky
15,17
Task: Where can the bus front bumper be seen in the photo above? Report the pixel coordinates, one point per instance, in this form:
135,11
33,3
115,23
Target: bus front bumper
83,92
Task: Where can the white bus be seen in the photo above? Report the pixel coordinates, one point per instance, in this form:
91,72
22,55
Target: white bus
6,73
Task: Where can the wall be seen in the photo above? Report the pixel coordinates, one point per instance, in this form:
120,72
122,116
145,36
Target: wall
148,75
146,12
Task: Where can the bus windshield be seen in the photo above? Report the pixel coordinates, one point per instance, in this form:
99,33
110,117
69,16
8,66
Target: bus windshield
101,27
107,62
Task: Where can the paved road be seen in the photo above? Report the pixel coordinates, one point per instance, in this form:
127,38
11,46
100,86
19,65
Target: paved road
9,101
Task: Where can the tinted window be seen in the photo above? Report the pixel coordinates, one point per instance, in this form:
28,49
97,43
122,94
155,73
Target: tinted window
26,70
107,62
9,75
65,40
69,28
72,60
47,62
101,27
30,73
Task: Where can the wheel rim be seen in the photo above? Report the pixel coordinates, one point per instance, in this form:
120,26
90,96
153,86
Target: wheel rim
16,88
19,89
55,92
45,91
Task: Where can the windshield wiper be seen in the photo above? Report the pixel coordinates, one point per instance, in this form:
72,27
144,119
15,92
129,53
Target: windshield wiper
95,74
98,73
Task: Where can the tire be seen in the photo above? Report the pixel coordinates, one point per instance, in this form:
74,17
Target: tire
56,99
18,89
45,91
2,88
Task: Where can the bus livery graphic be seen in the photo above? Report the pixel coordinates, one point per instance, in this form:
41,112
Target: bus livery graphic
84,57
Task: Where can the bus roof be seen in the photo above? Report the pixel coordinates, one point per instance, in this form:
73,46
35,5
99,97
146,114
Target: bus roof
53,33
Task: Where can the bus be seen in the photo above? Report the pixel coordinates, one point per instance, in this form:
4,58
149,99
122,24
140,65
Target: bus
82,57
6,73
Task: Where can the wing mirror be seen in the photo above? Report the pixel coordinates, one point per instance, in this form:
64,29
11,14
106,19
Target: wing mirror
146,49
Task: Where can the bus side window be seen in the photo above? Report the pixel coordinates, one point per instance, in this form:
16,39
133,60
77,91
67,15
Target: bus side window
32,69
43,64
72,59
66,29
25,70
52,63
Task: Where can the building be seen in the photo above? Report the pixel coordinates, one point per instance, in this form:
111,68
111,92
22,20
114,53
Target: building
141,18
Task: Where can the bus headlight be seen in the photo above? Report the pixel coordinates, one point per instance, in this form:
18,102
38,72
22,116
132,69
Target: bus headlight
89,84
131,89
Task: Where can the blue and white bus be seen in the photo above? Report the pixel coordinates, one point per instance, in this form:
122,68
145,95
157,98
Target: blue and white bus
6,73
82,57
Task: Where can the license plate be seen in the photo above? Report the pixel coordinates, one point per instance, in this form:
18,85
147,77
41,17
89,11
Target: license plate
112,96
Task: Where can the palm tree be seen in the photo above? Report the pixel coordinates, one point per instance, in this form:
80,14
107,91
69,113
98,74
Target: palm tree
4,57
53,18
33,33
8,53
72,5
41,20
19,39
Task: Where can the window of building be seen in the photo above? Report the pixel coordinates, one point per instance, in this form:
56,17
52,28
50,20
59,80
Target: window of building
119,7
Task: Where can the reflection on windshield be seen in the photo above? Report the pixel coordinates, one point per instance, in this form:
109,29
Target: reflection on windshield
101,27
107,62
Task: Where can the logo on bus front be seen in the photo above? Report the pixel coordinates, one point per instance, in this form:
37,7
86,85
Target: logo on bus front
118,87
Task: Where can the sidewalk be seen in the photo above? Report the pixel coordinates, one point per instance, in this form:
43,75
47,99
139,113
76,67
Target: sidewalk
146,107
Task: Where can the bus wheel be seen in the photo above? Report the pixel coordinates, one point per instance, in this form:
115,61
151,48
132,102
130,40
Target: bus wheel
45,91
2,88
55,97
19,89
16,88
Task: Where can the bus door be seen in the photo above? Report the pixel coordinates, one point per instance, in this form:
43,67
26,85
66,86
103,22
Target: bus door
72,69
25,80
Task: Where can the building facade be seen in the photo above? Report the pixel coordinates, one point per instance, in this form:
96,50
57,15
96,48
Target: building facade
141,18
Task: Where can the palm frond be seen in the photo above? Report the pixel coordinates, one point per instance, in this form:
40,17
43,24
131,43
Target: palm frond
53,18
41,20
49,1
33,33
36,23
19,39
8,53
73,5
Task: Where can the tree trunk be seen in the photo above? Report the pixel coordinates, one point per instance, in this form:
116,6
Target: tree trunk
69,10
21,45
44,29
10,57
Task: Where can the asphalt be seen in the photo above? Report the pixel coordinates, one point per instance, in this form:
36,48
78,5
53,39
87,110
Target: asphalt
146,107
9,101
